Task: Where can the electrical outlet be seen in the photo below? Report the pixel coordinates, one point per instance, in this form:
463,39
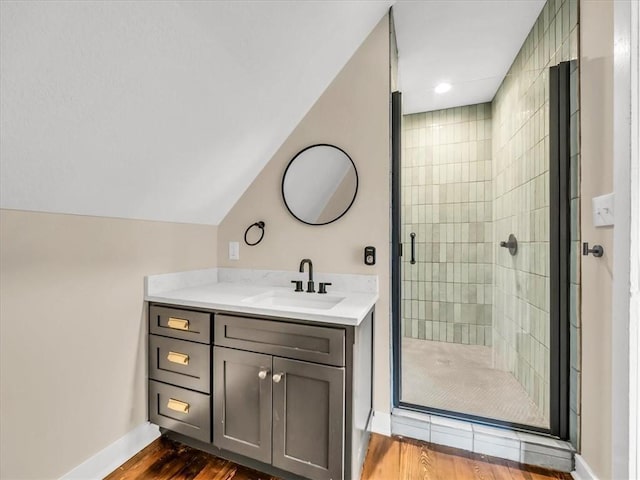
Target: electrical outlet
234,251
603,210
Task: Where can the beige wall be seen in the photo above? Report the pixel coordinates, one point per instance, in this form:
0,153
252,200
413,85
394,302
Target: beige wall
596,63
353,113
72,346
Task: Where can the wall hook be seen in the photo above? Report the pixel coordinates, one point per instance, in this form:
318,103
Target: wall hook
596,251
260,225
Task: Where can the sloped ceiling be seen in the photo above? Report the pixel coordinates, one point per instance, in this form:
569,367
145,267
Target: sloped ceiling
159,110
469,44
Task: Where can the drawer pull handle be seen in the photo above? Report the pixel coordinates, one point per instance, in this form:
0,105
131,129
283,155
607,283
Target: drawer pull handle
178,406
277,377
179,358
178,323
263,374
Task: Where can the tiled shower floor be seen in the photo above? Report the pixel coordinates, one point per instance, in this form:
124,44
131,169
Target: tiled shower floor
460,378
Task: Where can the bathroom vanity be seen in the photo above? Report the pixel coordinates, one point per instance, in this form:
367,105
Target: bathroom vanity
275,380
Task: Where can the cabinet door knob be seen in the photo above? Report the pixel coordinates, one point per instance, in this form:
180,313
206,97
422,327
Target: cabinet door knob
277,377
263,374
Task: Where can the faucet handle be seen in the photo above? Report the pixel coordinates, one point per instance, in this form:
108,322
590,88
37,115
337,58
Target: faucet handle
323,287
298,285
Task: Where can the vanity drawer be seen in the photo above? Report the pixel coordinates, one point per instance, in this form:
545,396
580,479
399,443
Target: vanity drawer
182,363
182,324
180,410
290,340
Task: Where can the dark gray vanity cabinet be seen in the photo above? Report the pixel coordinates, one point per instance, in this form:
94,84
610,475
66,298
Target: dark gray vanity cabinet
288,397
282,411
180,371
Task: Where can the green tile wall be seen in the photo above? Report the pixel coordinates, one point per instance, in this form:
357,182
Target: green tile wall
520,112
447,203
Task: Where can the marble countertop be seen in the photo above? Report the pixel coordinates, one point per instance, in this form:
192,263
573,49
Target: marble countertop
254,292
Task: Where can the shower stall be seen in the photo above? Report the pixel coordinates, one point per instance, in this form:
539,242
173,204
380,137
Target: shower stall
476,311
482,207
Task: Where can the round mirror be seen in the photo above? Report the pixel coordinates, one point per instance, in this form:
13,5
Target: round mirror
319,184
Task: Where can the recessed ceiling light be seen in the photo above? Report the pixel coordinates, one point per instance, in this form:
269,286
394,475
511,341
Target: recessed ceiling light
443,87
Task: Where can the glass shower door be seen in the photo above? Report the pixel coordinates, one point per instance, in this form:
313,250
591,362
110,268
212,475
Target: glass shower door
465,299
482,275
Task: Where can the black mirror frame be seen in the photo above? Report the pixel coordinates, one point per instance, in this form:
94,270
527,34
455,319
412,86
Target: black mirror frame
284,175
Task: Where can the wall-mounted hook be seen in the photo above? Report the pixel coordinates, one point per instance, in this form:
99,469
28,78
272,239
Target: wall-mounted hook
596,251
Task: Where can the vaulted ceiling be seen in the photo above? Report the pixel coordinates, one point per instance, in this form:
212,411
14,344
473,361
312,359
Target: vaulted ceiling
167,110
159,110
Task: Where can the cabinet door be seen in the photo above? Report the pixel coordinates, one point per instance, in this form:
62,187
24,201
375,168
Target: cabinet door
242,403
308,419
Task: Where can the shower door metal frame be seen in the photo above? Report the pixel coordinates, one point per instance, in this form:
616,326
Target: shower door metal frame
560,240
396,244
559,232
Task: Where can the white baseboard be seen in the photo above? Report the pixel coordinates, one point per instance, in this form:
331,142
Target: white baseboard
108,459
381,423
583,470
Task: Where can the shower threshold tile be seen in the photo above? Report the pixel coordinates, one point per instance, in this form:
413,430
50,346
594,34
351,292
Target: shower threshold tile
496,450
420,432
496,432
451,440
456,426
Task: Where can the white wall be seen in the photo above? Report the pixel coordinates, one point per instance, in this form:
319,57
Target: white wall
623,446
634,317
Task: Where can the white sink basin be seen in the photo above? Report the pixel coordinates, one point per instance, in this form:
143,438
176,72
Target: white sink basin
295,299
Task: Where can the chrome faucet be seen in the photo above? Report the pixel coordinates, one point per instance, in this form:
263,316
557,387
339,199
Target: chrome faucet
310,286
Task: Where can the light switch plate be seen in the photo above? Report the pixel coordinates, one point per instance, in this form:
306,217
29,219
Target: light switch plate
602,208
234,251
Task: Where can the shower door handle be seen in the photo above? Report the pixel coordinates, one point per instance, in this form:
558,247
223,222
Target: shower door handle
413,248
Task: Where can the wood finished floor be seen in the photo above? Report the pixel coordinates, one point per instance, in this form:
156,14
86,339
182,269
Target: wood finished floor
387,459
